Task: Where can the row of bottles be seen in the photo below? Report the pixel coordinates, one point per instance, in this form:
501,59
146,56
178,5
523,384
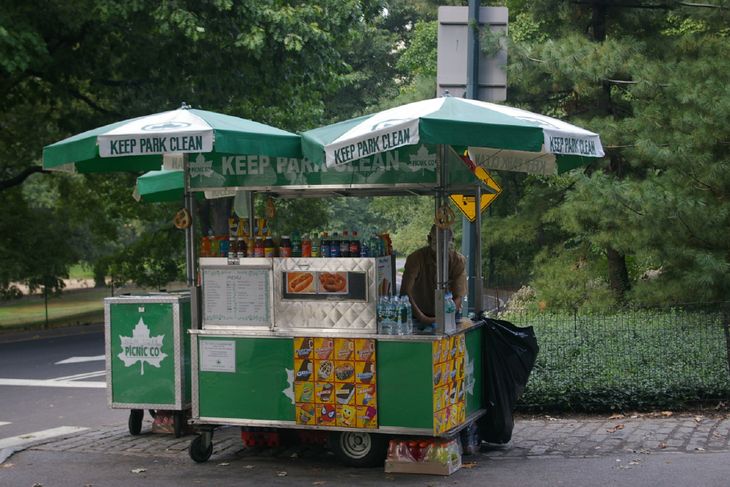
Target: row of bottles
239,244
395,315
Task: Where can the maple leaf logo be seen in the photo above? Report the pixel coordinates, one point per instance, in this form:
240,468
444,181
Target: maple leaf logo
141,347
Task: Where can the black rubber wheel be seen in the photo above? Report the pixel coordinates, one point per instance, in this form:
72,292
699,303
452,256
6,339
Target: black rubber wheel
198,451
179,421
360,449
135,421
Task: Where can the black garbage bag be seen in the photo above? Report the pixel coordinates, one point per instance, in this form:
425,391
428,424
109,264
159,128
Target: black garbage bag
509,353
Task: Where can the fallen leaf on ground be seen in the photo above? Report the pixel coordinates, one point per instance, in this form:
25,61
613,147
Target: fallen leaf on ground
698,419
615,428
469,465
223,464
139,470
617,416
667,414
662,445
699,448
248,466
318,482
281,474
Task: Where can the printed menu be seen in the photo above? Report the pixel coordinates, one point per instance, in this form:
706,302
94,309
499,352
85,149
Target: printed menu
335,382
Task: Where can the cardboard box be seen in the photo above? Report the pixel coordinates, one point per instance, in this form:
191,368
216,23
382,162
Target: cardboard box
426,468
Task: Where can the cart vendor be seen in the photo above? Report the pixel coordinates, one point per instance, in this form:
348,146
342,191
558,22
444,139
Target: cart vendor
419,277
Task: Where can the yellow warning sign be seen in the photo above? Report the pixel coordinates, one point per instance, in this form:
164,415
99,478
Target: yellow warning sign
467,204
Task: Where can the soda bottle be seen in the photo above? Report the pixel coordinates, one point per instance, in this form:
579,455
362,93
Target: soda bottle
324,248
269,249
335,245
296,244
286,249
345,245
365,249
259,247
306,246
242,250
232,246
354,245
316,245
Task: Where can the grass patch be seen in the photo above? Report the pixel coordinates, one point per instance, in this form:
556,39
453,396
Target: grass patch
81,271
71,307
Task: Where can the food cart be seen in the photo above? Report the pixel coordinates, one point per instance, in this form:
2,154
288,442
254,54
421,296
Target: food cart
147,348
293,342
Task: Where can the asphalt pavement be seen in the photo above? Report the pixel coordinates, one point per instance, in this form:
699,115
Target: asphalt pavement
645,450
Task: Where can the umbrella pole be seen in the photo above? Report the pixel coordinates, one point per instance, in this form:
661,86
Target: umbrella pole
189,231
442,248
190,263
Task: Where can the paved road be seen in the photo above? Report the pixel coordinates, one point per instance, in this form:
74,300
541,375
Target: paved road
52,385
645,451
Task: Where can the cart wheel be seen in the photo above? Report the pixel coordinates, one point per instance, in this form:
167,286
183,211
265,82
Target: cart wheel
135,421
179,421
199,451
359,449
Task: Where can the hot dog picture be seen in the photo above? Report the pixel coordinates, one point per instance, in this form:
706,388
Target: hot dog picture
333,282
300,282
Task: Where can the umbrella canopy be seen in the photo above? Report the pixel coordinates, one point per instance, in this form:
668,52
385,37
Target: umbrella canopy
160,186
141,144
497,136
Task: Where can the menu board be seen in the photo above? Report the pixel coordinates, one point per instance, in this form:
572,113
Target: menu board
449,403
234,295
335,382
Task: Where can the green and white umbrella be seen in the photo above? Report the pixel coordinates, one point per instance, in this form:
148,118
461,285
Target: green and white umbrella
160,186
497,136
141,144
145,143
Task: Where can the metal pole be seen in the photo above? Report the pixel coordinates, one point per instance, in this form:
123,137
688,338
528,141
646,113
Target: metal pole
471,232
190,254
189,235
472,51
476,286
442,249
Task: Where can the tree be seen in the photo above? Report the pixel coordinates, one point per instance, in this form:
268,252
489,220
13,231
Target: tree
631,72
101,61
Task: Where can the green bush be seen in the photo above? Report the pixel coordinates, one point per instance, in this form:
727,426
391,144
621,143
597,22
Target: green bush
627,360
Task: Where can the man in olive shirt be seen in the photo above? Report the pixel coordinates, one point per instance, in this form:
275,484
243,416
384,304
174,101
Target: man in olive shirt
419,278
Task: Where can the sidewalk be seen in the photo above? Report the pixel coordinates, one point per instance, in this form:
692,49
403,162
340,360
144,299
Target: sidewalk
572,437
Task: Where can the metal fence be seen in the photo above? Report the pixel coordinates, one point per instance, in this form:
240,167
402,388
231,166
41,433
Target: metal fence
639,359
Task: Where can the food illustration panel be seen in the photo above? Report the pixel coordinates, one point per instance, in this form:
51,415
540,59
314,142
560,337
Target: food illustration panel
449,399
300,283
335,382
333,282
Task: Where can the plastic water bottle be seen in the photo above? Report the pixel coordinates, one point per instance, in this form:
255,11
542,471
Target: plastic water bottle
408,314
450,312
384,321
397,316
